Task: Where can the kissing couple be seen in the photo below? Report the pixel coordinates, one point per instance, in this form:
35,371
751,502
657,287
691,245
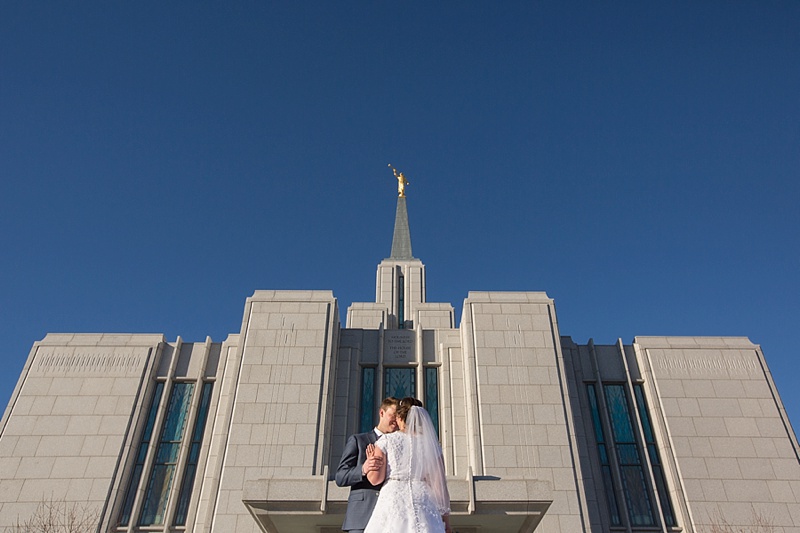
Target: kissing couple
396,478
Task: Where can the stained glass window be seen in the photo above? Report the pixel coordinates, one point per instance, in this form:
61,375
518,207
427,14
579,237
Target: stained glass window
399,382
655,459
194,455
432,395
401,304
608,480
160,483
141,455
640,510
367,420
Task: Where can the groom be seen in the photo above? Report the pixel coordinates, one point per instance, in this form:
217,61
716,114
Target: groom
353,468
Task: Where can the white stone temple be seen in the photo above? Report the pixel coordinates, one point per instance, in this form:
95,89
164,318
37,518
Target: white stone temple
665,434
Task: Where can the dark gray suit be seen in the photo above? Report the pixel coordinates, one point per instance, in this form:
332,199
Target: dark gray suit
363,494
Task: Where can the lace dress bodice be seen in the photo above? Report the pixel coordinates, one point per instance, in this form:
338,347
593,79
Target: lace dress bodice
405,505
397,447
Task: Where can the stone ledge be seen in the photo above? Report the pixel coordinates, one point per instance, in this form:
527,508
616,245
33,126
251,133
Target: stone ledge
292,296
314,501
102,339
695,342
509,297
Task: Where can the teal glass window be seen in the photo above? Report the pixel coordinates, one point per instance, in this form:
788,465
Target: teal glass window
602,452
367,420
399,382
432,395
401,304
190,470
634,487
158,488
655,459
141,455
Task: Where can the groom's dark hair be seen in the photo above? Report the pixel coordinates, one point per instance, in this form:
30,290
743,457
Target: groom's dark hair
388,402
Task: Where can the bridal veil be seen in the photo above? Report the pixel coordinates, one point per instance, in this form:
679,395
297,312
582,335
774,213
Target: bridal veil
426,456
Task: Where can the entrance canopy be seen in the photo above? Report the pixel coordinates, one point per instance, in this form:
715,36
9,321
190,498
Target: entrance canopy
316,505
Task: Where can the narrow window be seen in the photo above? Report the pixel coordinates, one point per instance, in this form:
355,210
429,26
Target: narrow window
602,451
400,382
367,420
194,455
401,302
634,487
432,395
141,455
158,488
655,459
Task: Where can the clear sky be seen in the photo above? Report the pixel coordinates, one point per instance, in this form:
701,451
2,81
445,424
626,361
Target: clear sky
638,161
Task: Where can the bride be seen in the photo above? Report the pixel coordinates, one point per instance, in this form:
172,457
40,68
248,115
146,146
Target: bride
414,498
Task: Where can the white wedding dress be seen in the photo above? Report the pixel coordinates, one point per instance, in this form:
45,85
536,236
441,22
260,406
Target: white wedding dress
407,503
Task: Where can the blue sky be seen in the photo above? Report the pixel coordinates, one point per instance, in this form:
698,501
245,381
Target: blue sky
639,162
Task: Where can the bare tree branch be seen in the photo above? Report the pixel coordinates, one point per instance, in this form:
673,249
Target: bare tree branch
58,516
759,523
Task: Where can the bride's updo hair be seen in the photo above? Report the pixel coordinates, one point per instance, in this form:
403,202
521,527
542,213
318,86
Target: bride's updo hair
405,406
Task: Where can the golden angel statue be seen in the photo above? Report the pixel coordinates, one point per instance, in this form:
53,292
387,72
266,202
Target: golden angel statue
401,182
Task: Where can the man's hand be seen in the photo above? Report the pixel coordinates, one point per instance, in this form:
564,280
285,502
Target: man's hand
373,462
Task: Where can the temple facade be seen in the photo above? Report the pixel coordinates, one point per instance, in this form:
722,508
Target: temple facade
670,434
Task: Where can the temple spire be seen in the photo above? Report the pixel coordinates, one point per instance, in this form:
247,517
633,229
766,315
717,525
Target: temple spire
401,240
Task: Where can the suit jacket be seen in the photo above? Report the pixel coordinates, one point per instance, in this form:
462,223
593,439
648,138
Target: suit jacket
363,494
